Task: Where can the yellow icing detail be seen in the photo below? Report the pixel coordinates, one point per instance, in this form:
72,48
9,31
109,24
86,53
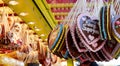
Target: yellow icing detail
108,22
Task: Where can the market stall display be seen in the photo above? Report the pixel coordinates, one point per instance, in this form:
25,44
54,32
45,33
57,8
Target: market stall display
86,33
92,32
19,43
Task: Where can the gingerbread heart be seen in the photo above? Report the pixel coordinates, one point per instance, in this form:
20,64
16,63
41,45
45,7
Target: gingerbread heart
79,45
88,31
116,28
54,36
60,42
70,46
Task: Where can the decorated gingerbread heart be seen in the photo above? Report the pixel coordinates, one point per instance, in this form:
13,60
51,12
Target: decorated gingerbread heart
54,36
79,45
88,31
70,46
60,42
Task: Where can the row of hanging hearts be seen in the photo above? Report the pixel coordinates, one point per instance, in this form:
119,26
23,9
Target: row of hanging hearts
89,38
26,50
18,41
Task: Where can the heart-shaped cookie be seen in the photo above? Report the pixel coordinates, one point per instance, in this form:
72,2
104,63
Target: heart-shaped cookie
88,31
79,45
54,36
60,42
116,28
70,46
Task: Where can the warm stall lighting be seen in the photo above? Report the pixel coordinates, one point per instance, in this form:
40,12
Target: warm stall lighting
23,13
13,2
42,35
45,39
31,23
37,29
40,40
42,43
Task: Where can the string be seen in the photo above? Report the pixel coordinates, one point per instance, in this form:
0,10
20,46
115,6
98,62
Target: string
98,5
116,6
75,13
67,19
77,8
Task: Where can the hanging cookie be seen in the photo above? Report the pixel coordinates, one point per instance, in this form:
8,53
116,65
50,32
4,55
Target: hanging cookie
79,45
54,36
70,46
60,41
88,31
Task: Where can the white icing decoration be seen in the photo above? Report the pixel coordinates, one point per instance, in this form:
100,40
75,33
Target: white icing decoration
91,37
95,45
83,18
90,29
